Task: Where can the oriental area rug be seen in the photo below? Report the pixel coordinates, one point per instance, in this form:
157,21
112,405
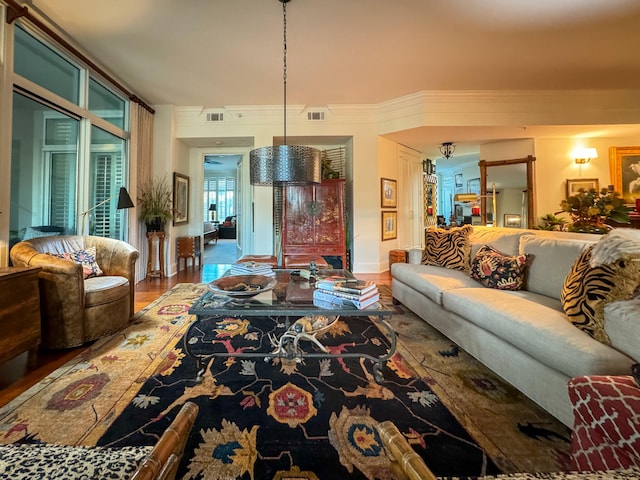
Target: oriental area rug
281,418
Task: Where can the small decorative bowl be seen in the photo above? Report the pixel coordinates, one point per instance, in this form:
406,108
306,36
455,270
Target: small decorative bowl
242,286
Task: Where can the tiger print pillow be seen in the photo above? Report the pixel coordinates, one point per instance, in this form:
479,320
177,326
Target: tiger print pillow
587,289
448,248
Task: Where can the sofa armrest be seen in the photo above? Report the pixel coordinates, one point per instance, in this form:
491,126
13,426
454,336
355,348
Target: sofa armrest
414,256
622,326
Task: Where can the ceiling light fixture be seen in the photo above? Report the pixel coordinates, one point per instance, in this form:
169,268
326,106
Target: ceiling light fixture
284,164
447,149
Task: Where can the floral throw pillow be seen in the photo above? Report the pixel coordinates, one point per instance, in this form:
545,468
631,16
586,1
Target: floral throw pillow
448,248
493,269
86,258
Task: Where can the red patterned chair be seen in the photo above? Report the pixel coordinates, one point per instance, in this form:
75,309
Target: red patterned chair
606,431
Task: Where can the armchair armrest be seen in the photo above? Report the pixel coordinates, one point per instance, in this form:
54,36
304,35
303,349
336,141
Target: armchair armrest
163,460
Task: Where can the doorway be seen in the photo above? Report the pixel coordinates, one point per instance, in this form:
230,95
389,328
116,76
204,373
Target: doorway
220,206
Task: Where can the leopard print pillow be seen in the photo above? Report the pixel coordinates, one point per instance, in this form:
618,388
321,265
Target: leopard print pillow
587,289
448,248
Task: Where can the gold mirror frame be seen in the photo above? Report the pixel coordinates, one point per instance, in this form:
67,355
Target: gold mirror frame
531,191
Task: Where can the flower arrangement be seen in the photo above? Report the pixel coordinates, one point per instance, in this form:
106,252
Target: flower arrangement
589,209
154,202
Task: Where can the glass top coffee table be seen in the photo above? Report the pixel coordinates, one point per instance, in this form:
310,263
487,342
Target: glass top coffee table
284,304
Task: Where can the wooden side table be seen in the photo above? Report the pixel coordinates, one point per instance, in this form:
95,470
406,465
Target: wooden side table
189,247
397,256
19,312
156,245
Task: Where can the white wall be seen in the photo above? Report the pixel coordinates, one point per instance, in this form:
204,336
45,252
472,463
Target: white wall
555,165
361,126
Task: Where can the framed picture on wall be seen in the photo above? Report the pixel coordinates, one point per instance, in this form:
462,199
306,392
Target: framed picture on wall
389,225
624,166
388,193
575,185
473,186
512,220
458,179
180,199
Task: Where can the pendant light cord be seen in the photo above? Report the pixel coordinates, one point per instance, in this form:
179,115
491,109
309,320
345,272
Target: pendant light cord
284,65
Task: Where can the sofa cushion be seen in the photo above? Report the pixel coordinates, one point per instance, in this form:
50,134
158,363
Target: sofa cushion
86,258
431,281
536,325
495,270
549,262
448,248
37,232
104,289
507,240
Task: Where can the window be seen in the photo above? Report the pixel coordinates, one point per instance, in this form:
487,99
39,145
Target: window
107,176
42,65
43,171
55,173
106,104
221,191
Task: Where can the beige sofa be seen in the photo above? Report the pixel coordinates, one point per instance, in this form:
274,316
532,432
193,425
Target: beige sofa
76,310
524,335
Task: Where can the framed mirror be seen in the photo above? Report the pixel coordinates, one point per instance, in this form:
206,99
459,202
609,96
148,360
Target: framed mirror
515,191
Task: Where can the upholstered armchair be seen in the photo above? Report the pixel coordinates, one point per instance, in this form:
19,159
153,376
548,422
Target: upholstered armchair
75,309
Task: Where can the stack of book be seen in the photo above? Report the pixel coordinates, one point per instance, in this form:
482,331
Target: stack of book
340,291
252,268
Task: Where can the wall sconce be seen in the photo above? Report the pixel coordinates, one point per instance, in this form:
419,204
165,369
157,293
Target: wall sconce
584,155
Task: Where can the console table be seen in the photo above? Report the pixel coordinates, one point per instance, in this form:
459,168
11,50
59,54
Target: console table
19,311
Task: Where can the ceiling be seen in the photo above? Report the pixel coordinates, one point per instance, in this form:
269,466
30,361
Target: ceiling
217,53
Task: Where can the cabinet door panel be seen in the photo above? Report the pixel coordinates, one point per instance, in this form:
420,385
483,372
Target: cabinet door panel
298,224
313,219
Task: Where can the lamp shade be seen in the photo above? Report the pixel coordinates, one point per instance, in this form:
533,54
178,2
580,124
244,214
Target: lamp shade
212,207
124,200
285,164
465,197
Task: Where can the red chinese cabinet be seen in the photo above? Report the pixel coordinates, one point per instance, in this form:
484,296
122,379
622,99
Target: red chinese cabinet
313,220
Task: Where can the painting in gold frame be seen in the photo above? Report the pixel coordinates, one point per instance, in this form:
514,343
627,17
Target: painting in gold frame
388,193
624,168
389,225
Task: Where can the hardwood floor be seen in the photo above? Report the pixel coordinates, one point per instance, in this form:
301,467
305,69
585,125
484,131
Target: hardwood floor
22,371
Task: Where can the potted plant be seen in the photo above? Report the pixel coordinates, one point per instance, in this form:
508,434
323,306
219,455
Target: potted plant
589,210
154,202
552,223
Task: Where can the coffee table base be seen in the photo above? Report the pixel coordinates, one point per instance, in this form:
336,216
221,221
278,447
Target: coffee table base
287,346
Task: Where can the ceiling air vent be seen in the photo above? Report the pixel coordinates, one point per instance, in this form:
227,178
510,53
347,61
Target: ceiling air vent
315,115
215,117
